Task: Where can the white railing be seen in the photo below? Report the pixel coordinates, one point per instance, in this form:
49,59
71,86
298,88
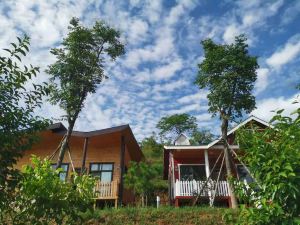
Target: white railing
106,190
193,188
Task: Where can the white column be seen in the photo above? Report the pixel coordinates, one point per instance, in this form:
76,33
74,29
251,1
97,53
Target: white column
207,171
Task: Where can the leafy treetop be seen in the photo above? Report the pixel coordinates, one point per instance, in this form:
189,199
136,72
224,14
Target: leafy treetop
177,124
229,72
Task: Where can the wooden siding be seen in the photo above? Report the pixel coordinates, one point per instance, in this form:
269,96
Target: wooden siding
101,149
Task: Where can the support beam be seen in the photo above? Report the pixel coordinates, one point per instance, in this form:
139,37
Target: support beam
85,145
122,170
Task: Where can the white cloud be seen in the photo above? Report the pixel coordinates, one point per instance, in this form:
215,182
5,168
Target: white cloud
168,70
170,86
266,106
262,80
285,54
230,32
193,98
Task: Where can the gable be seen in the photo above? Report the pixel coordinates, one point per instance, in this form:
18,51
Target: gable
182,140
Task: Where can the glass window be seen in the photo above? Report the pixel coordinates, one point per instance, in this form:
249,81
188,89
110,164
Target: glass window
243,174
104,171
192,172
64,173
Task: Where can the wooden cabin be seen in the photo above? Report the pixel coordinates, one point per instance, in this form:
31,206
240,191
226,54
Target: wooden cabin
189,168
104,154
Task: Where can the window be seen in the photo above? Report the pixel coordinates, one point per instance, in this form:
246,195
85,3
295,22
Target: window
192,172
243,174
64,173
104,171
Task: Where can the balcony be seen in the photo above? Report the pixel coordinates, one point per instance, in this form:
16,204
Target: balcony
106,190
193,188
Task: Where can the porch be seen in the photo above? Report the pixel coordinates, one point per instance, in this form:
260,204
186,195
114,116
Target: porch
193,188
106,191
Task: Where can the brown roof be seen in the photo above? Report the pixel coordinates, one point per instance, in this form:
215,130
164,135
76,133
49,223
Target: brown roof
123,129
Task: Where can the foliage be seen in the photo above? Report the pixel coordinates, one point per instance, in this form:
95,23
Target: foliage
152,150
79,68
19,97
139,178
229,72
177,124
43,198
201,137
162,215
273,158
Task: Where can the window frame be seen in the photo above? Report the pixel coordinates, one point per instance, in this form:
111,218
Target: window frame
67,171
103,163
187,164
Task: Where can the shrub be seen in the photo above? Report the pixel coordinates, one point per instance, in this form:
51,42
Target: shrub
42,198
273,157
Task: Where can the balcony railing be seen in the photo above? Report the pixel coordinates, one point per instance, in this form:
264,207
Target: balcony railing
193,188
106,190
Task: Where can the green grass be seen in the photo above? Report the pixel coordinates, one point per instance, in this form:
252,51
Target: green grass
161,216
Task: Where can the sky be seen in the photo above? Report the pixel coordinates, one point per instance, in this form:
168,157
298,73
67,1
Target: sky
155,77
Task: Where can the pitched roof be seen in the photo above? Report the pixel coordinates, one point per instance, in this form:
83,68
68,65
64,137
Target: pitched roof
254,118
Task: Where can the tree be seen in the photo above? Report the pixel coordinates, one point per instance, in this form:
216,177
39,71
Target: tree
19,97
273,158
201,137
177,124
139,178
152,150
80,68
229,72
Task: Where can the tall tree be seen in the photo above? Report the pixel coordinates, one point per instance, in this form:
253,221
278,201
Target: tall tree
177,124
229,72
80,68
19,97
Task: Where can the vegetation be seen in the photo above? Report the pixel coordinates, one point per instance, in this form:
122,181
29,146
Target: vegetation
176,124
18,125
80,68
229,72
274,197
42,198
145,178
163,215
201,137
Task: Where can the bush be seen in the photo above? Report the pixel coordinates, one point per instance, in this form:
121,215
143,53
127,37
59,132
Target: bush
42,198
273,157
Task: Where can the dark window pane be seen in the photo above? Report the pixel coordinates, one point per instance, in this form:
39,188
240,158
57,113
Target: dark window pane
243,174
192,172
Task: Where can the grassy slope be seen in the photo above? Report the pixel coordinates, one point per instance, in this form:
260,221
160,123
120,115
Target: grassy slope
161,216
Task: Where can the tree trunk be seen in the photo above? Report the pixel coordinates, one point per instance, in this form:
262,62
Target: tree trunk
64,144
224,129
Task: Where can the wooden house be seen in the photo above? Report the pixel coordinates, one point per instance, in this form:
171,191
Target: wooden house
104,154
189,168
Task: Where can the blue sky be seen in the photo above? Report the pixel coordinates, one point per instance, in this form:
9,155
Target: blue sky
155,77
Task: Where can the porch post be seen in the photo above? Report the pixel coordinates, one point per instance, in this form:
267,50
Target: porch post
207,171
122,170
